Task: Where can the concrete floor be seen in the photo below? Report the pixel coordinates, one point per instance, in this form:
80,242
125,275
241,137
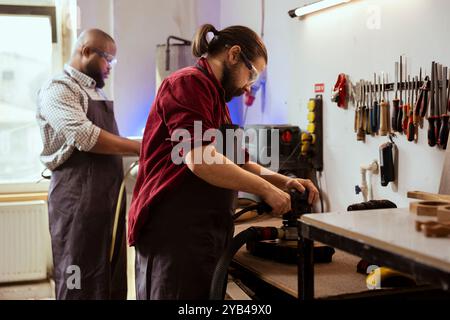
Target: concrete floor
44,290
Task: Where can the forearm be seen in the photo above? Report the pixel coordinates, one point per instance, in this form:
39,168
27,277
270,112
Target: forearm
272,177
225,174
109,143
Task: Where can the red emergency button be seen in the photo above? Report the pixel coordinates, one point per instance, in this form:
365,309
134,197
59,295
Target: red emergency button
286,136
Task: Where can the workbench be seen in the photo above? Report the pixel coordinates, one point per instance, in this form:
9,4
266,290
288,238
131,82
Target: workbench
383,237
332,279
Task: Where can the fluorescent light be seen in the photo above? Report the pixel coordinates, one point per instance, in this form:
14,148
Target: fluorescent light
316,6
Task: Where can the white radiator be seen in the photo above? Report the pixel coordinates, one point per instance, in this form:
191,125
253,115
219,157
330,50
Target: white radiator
24,241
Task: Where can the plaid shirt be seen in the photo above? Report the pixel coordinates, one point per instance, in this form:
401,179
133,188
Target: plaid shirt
61,115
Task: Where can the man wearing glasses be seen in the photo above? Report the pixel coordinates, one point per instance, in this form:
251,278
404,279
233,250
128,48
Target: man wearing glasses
83,149
180,220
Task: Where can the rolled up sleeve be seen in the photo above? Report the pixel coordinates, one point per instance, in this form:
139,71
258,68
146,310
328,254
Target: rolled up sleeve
64,113
187,101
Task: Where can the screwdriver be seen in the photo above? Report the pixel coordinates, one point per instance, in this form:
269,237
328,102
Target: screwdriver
417,120
425,90
357,101
431,118
360,136
417,103
370,113
395,102
438,113
400,106
377,108
411,127
384,111
406,102
366,123
443,136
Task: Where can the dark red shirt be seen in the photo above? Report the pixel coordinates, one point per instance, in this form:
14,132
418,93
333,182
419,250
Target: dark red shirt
186,96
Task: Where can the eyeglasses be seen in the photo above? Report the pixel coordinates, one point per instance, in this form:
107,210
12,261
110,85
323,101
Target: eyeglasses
254,74
108,57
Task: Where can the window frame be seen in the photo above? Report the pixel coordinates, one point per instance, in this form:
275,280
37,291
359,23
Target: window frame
43,11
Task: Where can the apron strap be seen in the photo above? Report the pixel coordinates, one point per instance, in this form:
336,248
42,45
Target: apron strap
46,177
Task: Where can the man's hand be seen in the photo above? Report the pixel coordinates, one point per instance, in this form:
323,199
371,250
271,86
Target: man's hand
301,185
276,198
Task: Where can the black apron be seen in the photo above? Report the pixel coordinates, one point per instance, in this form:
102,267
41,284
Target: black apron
82,202
186,233
179,246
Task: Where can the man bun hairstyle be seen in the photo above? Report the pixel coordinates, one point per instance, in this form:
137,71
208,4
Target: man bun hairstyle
208,40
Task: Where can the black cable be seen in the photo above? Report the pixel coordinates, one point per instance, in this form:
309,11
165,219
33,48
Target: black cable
260,208
289,157
240,213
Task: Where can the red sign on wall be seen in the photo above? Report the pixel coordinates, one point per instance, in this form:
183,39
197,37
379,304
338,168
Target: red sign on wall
319,88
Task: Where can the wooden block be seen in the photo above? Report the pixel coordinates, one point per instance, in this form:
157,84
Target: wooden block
443,214
427,208
433,229
437,231
420,195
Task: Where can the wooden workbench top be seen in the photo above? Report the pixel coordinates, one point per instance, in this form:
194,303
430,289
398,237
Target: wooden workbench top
388,229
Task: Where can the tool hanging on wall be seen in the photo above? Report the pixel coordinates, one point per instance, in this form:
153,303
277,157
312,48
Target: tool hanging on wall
387,165
396,101
361,134
357,98
443,135
370,113
406,101
411,129
375,106
384,111
366,123
378,107
424,99
432,116
400,108
417,106
339,94
417,120
437,121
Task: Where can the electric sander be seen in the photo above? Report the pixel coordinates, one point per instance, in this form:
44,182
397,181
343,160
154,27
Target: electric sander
284,248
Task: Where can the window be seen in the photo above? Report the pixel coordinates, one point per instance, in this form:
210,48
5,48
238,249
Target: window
25,64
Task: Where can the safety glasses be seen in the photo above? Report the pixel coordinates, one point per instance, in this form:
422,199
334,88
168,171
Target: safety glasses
254,74
108,57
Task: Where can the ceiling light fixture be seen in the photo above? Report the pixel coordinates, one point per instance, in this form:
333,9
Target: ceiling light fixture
314,7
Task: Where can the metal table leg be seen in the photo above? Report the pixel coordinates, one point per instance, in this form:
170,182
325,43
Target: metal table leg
305,269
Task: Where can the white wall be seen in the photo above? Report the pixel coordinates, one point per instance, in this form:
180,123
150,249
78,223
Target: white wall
97,14
139,25
318,48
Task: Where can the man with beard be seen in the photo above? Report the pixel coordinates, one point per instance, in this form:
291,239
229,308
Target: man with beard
83,150
180,220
